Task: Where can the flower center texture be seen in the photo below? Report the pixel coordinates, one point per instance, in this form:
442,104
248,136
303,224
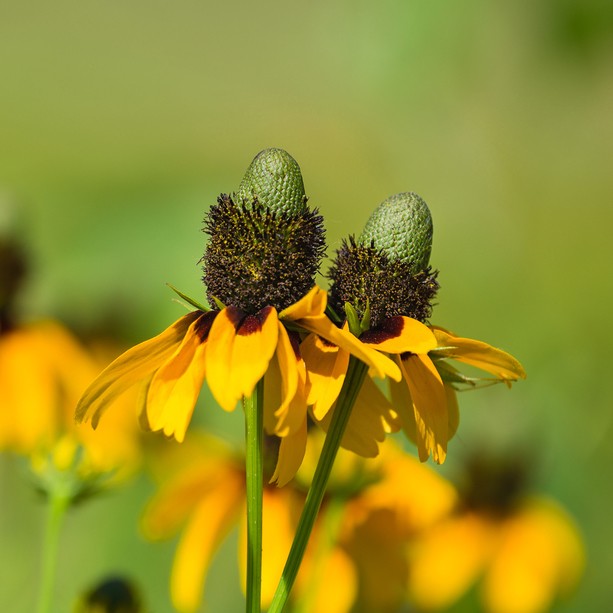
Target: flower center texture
385,272
265,244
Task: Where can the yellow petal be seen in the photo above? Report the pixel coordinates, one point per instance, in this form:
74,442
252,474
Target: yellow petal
447,560
239,350
291,454
175,387
131,367
212,519
379,365
368,423
478,354
326,366
540,546
403,405
327,583
400,335
312,304
416,494
430,406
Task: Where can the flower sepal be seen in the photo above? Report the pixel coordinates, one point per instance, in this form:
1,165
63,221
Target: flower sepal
188,299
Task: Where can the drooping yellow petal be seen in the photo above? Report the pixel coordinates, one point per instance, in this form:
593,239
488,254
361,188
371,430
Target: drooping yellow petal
291,454
478,354
448,559
240,348
326,366
539,547
403,405
213,518
400,335
131,367
379,365
369,422
175,386
430,406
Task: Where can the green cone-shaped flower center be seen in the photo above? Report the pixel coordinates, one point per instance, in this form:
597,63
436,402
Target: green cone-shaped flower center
385,272
401,227
274,180
265,248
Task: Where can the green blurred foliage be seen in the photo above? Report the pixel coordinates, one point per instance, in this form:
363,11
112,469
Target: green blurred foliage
120,123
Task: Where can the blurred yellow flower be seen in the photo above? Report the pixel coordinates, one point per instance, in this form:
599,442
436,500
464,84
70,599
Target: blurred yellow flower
43,372
234,350
357,553
527,549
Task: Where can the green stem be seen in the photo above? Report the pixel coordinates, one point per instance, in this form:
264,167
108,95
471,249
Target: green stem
57,503
254,439
353,382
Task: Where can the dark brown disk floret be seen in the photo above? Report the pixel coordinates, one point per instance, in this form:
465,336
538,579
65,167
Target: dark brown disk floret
366,277
256,257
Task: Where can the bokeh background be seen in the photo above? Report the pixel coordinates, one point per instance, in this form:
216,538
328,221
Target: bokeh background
120,123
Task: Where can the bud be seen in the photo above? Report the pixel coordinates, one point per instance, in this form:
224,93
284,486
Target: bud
401,227
275,181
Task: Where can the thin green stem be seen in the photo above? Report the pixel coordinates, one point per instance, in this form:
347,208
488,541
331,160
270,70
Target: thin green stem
254,439
353,381
57,503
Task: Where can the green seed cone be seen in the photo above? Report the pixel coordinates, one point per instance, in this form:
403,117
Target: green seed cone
275,180
401,227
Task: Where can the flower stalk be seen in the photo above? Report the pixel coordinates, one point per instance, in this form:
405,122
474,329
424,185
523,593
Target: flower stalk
58,501
353,381
254,439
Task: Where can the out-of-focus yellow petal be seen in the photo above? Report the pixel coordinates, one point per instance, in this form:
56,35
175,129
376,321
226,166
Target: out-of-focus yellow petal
327,583
369,421
447,560
430,406
478,354
380,556
326,366
291,454
210,522
416,494
540,555
175,387
240,348
400,335
131,367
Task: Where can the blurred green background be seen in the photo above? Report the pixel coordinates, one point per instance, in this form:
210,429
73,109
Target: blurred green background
120,123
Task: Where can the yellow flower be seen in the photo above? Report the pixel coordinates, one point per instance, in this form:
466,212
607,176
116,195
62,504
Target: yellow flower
357,553
527,548
234,351
43,371
264,250
383,286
